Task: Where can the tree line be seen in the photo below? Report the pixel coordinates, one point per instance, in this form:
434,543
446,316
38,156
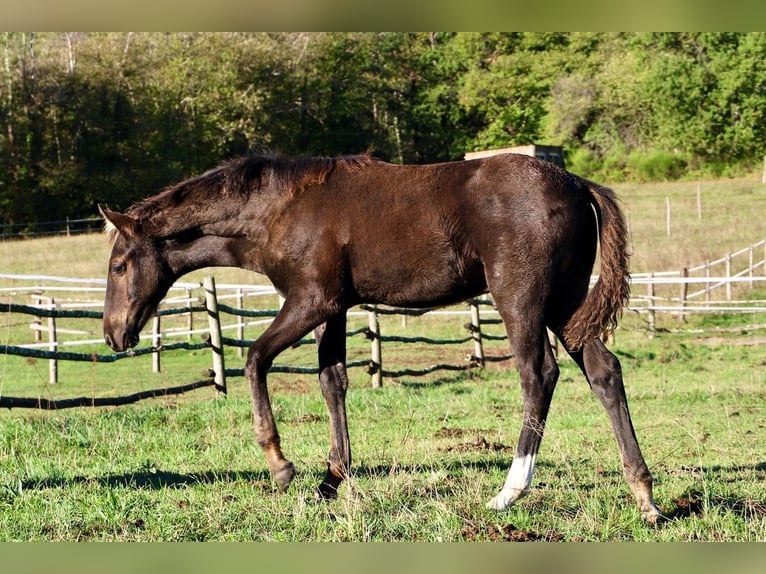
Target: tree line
114,117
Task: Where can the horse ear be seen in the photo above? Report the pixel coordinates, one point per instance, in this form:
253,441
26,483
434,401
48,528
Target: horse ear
119,222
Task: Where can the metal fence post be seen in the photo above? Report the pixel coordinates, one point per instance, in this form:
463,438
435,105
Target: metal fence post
728,277
652,312
683,295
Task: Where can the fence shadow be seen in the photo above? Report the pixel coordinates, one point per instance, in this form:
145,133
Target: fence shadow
155,480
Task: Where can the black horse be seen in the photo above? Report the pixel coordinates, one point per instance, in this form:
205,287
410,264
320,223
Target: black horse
331,233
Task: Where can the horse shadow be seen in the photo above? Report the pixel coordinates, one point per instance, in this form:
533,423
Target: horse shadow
689,504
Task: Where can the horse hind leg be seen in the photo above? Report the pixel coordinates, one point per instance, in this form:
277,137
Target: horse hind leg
604,374
539,373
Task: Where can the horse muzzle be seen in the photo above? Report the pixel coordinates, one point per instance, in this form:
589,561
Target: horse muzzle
121,340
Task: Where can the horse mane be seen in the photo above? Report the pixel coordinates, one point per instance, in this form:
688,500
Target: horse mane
241,177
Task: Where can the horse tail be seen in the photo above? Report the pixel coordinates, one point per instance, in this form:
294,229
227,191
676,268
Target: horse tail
597,316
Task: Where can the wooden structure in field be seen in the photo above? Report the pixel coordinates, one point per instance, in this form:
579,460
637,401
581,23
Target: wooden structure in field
551,153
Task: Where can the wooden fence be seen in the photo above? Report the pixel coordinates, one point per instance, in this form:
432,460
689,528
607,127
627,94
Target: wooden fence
692,289
45,312
683,292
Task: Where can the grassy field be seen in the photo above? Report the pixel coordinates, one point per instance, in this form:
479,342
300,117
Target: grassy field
730,220
428,453
427,456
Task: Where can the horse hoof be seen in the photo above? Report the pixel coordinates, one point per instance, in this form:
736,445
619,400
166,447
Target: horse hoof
653,516
505,499
499,503
326,491
284,476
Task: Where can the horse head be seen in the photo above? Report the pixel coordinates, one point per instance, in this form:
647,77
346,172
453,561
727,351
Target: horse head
137,280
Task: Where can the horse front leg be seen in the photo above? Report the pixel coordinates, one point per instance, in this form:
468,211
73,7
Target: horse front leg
292,323
333,379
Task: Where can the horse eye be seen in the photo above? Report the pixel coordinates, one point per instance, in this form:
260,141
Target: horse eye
118,268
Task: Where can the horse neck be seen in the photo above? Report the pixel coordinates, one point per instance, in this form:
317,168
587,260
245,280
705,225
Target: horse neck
185,256
226,233
237,237
200,238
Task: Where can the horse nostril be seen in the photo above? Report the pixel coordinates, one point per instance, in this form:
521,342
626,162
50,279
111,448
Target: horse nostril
109,341
129,340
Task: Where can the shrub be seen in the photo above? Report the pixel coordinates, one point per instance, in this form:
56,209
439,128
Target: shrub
584,162
655,165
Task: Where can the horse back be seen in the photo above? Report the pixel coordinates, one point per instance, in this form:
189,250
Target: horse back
424,235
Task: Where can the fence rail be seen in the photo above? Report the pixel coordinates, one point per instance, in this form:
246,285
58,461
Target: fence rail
215,310
677,292
46,228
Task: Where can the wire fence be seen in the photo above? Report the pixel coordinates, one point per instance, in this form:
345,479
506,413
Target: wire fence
66,227
679,293
52,349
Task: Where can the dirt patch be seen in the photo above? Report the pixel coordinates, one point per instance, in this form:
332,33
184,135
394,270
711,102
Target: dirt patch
748,509
446,432
687,506
692,504
307,418
743,341
292,385
478,442
507,533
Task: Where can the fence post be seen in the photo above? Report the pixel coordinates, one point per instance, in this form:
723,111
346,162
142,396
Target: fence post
191,314
376,361
214,321
554,341
652,313
728,277
240,321
475,328
667,216
53,365
156,343
37,323
684,292
707,282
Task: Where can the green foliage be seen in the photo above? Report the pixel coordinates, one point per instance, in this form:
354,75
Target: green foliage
113,117
655,165
583,161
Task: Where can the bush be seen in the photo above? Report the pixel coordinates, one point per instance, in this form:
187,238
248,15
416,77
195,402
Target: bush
655,165
584,162
608,168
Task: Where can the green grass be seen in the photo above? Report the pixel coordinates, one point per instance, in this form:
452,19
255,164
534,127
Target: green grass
427,456
428,453
729,221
